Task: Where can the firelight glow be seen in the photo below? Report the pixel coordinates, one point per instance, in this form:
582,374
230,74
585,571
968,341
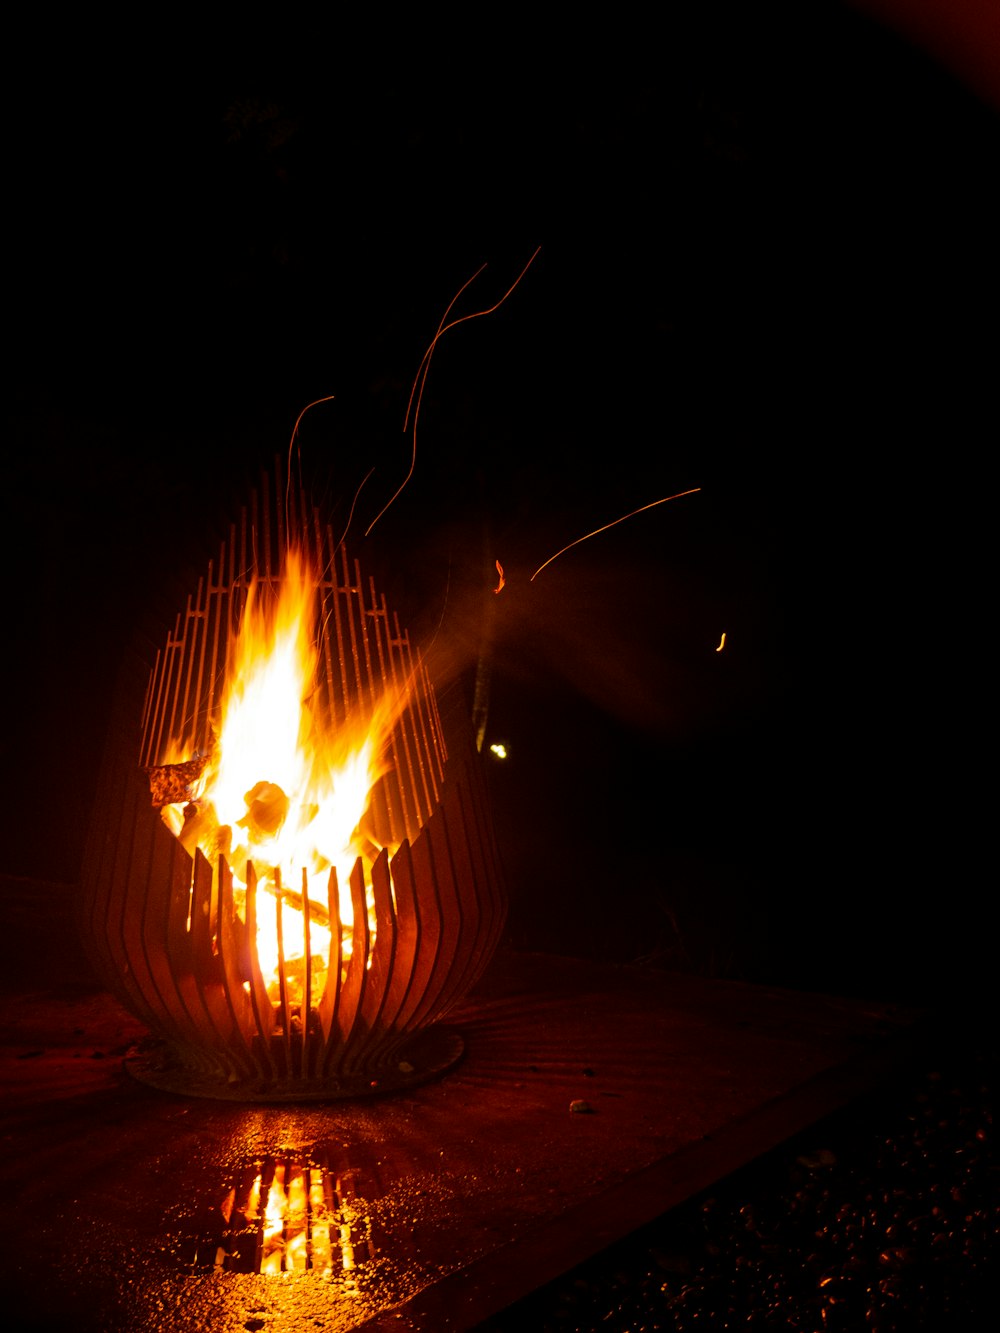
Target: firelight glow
282,789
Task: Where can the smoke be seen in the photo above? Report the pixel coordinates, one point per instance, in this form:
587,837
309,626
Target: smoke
634,631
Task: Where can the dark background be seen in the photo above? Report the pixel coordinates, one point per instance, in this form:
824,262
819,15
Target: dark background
767,269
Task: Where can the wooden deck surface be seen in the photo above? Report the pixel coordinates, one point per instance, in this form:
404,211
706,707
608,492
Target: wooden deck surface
467,1193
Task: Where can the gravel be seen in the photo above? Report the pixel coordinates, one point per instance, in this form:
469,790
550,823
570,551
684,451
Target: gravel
881,1217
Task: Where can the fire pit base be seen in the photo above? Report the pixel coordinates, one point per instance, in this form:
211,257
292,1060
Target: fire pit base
425,1056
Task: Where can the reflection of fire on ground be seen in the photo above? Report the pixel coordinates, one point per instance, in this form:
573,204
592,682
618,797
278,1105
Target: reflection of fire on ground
284,1215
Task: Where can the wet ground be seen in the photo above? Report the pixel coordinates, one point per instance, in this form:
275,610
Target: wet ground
591,1101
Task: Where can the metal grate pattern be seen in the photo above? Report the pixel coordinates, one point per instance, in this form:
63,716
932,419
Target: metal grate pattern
164,929
364,653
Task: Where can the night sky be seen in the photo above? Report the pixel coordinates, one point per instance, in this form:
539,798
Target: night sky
768,269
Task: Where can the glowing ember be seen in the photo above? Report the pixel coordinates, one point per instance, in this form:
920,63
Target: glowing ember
281,789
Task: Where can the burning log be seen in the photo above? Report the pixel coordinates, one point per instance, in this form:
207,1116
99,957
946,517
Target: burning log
170,784
267,810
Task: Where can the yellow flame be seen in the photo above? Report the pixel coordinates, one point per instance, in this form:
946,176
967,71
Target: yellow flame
283,789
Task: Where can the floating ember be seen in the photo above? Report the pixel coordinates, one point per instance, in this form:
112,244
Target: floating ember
305,882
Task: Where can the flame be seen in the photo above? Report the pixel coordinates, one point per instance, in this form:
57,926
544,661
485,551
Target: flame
282,789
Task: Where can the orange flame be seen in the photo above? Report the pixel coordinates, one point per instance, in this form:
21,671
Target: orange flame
283,790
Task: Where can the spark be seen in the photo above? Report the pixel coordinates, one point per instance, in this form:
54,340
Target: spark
499,750
291,445
722,642
586,537
502,579
353,503
343,536
425,364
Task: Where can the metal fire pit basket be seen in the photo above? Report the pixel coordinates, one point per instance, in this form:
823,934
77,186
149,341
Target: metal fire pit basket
162,927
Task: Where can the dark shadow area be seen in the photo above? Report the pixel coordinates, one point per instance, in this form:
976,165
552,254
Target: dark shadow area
768,251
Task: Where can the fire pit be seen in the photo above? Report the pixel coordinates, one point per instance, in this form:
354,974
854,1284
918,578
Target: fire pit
291,874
